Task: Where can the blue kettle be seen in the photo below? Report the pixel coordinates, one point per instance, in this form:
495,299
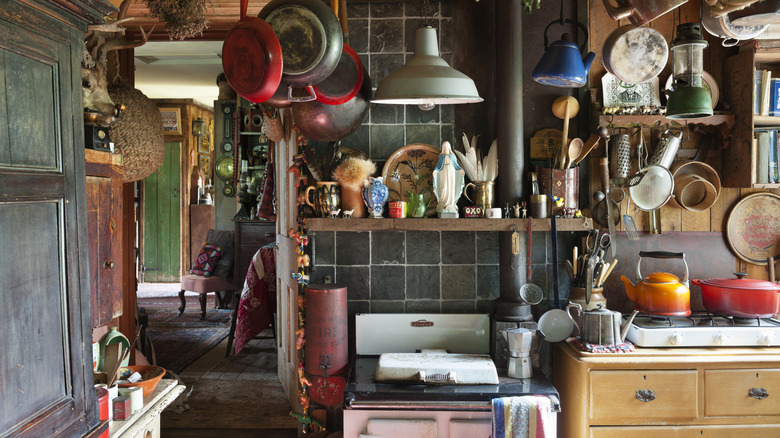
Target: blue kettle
562,64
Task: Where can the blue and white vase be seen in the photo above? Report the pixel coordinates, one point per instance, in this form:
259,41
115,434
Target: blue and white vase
375,196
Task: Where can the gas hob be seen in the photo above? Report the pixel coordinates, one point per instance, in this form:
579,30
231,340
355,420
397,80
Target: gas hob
704,330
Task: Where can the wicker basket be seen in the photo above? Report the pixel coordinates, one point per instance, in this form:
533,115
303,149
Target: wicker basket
138,135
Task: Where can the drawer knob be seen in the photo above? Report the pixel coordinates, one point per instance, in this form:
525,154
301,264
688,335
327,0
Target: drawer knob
759,393
645,395
108,264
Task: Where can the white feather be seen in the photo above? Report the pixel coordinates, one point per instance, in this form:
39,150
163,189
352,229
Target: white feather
466,165
491,162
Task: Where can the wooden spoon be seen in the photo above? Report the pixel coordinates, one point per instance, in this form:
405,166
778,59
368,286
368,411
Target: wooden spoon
575,149
565,107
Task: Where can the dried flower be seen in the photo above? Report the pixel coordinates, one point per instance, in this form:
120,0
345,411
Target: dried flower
353,172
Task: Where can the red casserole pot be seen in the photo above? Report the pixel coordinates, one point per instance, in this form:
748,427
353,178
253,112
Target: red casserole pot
740,297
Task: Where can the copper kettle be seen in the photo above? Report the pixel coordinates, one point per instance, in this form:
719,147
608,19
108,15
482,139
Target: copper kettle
603,326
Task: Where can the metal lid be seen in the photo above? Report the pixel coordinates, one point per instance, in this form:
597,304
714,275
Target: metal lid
740,283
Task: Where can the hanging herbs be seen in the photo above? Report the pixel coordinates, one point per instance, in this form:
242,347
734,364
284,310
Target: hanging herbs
183,18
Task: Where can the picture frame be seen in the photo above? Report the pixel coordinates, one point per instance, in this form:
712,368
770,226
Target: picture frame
204,144
204,160
171,118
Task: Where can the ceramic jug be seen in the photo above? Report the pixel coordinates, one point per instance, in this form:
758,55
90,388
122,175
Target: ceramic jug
327,198
418,206
375,196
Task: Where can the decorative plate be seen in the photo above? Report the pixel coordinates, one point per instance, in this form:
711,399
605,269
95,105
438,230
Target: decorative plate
411,168
622,94
753,228
708,82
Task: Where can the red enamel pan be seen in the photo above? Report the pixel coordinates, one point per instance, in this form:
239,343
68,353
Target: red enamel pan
345,81
252,58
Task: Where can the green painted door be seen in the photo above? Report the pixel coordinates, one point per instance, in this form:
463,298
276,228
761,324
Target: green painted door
162,220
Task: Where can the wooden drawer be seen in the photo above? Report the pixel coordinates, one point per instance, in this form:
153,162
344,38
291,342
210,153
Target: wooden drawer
719,431
739,392
614,396
257,234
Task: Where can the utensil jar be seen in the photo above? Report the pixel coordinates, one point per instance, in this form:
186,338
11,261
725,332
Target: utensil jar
561,183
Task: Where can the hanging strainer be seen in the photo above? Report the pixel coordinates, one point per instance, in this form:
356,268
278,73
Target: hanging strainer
654,188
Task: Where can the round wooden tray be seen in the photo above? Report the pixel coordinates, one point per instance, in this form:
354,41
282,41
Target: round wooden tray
753,228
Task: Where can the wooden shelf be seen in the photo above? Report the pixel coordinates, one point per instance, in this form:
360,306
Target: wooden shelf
436,224
647,120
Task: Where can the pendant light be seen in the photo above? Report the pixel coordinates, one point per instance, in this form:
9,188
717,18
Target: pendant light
426,80
688,97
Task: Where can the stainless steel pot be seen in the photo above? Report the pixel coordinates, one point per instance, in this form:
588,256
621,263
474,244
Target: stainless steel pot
722,27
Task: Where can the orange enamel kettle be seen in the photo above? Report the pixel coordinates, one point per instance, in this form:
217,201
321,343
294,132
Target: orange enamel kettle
660,293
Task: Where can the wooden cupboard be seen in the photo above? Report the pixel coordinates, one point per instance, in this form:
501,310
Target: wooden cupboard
250,236
104,222
710,392
46,361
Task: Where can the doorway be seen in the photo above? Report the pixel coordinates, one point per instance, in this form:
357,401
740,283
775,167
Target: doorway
161,250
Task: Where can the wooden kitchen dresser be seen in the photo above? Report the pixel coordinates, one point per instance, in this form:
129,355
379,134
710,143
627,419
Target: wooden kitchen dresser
684,392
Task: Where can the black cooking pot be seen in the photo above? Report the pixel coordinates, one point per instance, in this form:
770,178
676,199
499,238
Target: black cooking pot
310,36
322,122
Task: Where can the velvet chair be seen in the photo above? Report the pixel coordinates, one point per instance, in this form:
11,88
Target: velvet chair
220,281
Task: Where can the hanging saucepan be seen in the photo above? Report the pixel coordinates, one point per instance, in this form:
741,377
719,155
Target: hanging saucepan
322,122
311,40
635,54
345,81
252,58
723,27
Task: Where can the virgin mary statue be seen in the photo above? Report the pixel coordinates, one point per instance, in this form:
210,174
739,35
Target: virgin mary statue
447,182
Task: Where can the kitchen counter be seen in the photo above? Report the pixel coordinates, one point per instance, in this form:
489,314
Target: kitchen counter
668,392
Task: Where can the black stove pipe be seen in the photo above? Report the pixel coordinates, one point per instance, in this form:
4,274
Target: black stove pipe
511,153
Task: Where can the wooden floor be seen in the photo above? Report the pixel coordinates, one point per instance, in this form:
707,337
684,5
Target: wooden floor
235,397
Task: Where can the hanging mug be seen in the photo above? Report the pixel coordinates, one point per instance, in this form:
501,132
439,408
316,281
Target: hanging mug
327,198
483,194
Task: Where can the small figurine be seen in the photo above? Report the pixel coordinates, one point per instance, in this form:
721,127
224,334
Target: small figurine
516,209
448,182
335,213
525,210
506,210
348,213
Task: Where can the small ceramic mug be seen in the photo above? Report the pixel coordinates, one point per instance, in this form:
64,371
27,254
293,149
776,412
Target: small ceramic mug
493,213
397,209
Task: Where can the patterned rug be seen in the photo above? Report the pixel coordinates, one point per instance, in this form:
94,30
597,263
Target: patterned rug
179,340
